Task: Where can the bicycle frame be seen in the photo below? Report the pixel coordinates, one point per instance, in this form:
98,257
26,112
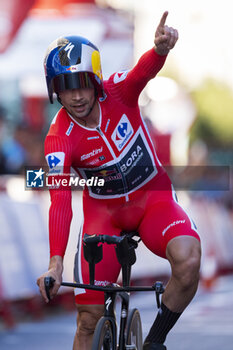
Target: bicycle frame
125,251
110,293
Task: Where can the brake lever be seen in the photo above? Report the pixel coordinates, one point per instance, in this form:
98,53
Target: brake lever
48,283
159,289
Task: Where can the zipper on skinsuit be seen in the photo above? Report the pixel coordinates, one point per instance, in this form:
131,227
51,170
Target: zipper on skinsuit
115,158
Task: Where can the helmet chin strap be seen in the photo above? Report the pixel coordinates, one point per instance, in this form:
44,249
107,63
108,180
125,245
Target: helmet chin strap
92,104
59,100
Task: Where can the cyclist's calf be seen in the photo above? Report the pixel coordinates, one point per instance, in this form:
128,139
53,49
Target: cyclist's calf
184,254
88,316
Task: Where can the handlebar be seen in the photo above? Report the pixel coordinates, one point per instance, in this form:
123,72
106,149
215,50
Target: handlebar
89,239
125,251
158,288
125,247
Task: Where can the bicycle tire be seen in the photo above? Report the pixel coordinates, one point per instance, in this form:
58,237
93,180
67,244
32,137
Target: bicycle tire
134,330
104,336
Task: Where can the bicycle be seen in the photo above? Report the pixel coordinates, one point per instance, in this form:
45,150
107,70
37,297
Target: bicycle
130,331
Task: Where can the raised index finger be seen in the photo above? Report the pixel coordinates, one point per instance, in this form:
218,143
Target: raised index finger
163,19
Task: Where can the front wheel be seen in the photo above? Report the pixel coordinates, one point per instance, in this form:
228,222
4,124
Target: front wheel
134,330
104,336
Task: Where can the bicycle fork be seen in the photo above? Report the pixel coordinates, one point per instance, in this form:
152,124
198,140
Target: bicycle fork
110,299
123,320
109,312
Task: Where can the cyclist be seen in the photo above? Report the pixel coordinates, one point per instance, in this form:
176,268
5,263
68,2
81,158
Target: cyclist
99,132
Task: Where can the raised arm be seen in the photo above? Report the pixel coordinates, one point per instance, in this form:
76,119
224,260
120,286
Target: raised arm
127,86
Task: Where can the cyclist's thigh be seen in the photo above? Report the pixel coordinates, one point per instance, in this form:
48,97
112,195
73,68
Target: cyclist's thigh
107,270
164,220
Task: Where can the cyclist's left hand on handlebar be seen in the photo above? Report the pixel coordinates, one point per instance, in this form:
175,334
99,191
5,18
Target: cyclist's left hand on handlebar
55,272
165,37
41,284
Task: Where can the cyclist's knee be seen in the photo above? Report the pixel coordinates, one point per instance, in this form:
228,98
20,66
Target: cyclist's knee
88,316
185,260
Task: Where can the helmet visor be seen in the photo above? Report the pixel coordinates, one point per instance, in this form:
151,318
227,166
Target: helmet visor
77,80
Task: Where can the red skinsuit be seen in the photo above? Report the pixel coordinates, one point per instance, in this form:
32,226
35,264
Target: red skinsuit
137,194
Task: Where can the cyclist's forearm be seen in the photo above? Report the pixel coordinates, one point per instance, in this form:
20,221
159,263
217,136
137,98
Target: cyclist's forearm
60,216
56,263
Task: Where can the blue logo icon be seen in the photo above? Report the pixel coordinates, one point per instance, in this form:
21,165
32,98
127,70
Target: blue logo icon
122,133
53,161
35,178
122,129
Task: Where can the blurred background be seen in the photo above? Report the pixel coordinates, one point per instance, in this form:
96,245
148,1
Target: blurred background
188,109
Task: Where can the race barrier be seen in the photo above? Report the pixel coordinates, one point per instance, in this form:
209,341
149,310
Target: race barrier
24,248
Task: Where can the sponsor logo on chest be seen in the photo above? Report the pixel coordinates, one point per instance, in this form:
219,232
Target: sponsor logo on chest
132,159
122,133
91,154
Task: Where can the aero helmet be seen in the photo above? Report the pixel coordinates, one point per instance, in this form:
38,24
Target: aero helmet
72,62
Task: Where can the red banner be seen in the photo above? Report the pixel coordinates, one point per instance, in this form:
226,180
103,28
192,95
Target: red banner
58,4
12,14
